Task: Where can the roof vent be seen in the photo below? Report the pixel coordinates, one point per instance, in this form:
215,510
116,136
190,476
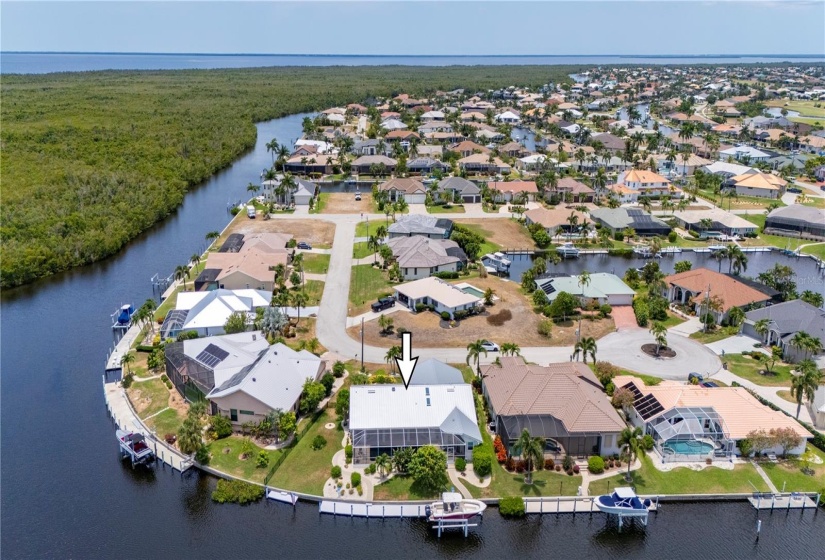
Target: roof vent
253,379
393,389
428,401
254,337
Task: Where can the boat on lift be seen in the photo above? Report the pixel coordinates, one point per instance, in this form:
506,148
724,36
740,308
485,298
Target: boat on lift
122,318
454,507
645,252
623,501
567,251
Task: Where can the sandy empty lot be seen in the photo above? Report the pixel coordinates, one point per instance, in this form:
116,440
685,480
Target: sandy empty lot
501,231
429,331
316,232
345,203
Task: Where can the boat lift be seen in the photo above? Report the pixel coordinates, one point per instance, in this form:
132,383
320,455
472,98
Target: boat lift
133,445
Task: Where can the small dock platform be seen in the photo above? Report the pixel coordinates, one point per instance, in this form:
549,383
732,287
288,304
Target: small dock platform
361,509
793,500
121,348
567,504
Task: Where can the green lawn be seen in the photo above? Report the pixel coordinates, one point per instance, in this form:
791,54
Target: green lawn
651,481
672,320
804,108
314,289
225,456
401,488
320,203
740,202
363,229
817,250
168,304
748,368
304,469
167,422
766,239
361,250
451,209
545,483
487,246
717,334
316,263
789,473
648,380
815,202
685,243
154,390
367,284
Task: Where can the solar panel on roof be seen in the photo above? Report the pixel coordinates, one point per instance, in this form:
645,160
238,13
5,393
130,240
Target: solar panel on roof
648,406
633,389
212,355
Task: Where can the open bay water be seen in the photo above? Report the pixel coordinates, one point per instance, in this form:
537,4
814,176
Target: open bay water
41,63
66,494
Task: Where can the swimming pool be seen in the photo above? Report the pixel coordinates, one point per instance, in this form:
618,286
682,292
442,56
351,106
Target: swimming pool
689,447
473,291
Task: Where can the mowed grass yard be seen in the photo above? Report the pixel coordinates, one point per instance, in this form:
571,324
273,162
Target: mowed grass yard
316,263
521,328
788,473
148,397
648,480
545,483
748,368
305,469
366,285
401,488
225,456
804,108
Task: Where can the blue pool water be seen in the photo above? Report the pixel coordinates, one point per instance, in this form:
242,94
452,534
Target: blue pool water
472,291
692,447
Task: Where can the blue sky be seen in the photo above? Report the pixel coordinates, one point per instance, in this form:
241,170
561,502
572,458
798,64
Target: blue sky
393,28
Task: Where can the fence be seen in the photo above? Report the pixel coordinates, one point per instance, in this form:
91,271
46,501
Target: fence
287,450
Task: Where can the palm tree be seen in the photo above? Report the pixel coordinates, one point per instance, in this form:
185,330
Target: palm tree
282,300
298,265
195,259
273,321
212,236
181,273
761,327
510,349
373,243
489,293
531,450
584,280
630,441
127,360
272,146
659,332
383,464
585,346
299,300
474,350
736,316
253,188
644,202
805,383
392,354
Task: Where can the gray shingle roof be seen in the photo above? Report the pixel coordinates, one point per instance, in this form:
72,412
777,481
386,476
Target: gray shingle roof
791,317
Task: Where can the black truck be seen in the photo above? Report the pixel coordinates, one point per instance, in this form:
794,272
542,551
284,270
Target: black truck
383,303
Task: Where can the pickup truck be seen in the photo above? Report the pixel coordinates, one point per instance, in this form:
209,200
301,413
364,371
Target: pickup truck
382,304
250,211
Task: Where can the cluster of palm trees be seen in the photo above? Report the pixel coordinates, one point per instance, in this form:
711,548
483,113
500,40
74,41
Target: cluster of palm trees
296,297
737,259
804,384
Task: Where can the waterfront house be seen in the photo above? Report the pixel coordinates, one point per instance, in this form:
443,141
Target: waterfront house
386,418
318,163
647,183
563,403
721,221
419,256
570,189
621,219
551,219
438,294
206,313
368,164
404,188
727,170
693,423
797,220
602,288
483,164
510,116
693,287
784,321
421,224
424,165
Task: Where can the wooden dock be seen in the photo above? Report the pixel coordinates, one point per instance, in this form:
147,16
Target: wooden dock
793,500
362,509
568,504
121,348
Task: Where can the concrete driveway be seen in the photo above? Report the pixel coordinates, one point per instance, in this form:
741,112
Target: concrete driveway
623,349
735,345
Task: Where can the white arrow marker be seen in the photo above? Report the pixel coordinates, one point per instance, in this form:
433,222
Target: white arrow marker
406,364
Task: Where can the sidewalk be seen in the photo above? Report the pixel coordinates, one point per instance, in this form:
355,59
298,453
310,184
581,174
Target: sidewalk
687,328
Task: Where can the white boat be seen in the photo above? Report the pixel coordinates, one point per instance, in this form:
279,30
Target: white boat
714,248
673,250
623,501
454,507
133,445
567,250
498,261
645,252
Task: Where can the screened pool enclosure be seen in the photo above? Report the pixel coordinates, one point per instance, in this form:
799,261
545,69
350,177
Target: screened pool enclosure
690,434
367,444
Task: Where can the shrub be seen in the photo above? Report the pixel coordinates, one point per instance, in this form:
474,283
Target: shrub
641,311
549,464
327,381
610,388
338,369
605,371
220,427
611,463
419,307
558,468
745,447
446,275
605,310
576,469
545,328
202,455
263,459
370,469
693,233
521,466
500,318
348,453
671,237
237,491
647,442
335,472
567,462
618,462
127,380
318,442
460,464
482,460
569,472
510,464
501,451
461,314
355,478
511,506
595,465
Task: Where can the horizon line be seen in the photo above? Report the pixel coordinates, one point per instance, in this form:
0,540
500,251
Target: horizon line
330,55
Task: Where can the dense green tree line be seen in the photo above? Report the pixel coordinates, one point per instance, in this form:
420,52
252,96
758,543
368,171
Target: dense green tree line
89,160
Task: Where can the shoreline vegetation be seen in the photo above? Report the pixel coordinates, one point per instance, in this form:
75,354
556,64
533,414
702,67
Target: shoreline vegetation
92,159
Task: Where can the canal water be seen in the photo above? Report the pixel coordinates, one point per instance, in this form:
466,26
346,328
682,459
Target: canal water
65,493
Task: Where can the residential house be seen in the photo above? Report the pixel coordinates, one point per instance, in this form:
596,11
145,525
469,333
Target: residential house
425,165
419,256
710,421
570,189
507,191
484,164
206,313
747,154
727,170
621,219
797,220
365,164
386,418
562,403
680,165
648,183
720,221
421,224
368,147
436,293
784,321
250,267
468,148
319,163
512,149
393,124
426,150
602,288
433,116
610,142
451,187
694,287
764,185
551,219
405,138
404,188
533,162
435,126
812,144
510,116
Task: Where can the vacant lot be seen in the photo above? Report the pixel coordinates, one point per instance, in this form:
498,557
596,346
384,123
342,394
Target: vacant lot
317,232
521,328
345,203
804,108
366,285
504,232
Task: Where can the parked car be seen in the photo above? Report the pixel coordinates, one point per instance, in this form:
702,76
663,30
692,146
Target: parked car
382,304
710,384
695,378
489,346
357,195
250,211
796,190
304,245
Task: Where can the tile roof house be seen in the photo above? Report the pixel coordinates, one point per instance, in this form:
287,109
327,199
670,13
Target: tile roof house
785,320
690,414
553,219
419,256
250,267
436,293
468,148
405,188
421,224
694,286
571,189
563,403
648,183
758,184
508,190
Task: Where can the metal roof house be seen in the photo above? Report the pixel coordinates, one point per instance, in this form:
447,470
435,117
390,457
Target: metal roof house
419,224
206,312
796,220
385,418
603,288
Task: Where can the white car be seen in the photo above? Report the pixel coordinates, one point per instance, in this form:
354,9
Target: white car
490,346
